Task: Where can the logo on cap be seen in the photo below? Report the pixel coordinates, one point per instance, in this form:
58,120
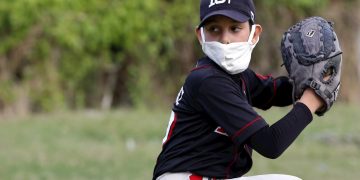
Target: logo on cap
214,2
310,33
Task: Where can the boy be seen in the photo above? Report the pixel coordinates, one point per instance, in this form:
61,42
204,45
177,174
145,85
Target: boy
213,126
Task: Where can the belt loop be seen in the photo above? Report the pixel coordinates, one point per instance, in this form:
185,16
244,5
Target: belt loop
195,177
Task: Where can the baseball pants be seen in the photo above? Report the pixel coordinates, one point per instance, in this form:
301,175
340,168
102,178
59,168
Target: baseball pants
190,176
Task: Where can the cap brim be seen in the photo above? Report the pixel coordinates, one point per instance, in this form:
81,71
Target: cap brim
235,15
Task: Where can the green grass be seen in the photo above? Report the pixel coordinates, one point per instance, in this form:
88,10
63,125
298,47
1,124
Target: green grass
329,148
124,144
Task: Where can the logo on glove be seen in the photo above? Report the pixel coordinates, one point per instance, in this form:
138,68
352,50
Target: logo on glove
310,33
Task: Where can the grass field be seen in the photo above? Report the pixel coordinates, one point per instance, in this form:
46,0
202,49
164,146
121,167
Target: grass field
124,144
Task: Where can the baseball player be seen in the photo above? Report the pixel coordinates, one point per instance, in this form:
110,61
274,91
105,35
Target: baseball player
213,127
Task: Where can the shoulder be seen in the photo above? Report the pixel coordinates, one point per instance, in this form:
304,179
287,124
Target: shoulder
204,70
249,74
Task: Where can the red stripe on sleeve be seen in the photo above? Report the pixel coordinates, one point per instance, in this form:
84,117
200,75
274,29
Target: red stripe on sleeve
246,126
200,67
262,77
274,88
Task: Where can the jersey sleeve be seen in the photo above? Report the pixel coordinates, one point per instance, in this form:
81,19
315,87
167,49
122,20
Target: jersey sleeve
221,99
272,141
266,91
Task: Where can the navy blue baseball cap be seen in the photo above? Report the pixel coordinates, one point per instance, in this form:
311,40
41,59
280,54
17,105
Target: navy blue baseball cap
239,10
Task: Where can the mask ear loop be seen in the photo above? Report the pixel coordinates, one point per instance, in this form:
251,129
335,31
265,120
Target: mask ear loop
202,34
252,33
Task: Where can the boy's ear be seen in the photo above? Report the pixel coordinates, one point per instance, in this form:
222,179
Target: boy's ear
198,34
258,31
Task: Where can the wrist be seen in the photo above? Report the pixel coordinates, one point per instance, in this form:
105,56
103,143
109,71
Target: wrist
311,100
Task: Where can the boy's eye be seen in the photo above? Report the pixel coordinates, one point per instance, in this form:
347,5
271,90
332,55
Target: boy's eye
236,28
213,29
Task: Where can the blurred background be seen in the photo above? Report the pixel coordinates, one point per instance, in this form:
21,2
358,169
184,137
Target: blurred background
86,86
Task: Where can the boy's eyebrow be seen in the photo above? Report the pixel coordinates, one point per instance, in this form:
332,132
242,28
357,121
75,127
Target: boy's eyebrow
213,19
210,21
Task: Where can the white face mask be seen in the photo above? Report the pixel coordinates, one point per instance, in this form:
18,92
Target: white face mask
234,57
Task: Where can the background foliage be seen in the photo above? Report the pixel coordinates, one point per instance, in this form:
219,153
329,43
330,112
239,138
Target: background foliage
62,54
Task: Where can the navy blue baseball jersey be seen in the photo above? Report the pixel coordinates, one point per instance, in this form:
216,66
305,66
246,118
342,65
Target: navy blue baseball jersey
213,119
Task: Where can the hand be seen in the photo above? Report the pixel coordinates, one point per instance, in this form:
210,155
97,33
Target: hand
311,100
